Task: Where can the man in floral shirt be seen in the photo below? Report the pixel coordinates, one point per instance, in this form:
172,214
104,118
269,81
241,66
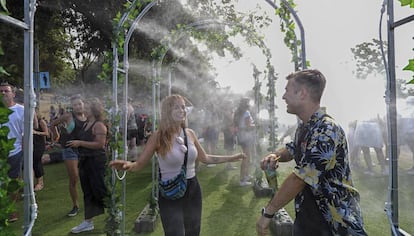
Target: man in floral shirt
326,201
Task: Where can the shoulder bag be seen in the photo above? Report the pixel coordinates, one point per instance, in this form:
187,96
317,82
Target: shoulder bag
176,187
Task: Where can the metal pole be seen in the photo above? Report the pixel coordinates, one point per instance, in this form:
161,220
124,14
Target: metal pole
155,170
392,120
115,111
169,80
30,208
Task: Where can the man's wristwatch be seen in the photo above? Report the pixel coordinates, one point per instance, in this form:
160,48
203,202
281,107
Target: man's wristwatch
267,215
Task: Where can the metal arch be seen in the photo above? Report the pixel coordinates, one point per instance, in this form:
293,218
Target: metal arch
30,206
301,29
124,70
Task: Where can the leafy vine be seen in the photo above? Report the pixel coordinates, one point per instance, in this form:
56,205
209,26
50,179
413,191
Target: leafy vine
410,66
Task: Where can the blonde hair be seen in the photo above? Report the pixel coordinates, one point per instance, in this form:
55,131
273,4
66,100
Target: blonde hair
168,127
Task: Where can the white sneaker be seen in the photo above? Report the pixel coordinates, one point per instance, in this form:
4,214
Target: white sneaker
245,183
211,165
247,178
84,226
230,167
369,173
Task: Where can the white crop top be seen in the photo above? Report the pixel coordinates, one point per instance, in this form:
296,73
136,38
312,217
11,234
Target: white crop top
170,165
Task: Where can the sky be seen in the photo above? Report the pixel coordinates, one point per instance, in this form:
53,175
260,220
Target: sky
332,28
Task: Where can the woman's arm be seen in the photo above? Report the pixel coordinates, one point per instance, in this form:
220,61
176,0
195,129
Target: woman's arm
209,158
60,120
142,161
43,126
99,130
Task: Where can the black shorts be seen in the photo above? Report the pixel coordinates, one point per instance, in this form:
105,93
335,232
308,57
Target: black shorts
132,133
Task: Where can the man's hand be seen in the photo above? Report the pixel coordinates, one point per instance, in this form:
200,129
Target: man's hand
262,226
270,161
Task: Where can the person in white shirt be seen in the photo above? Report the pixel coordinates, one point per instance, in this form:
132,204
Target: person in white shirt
16,129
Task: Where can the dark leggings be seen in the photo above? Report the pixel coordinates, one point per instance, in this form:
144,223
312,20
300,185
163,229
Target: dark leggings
37,161
92,178
182,217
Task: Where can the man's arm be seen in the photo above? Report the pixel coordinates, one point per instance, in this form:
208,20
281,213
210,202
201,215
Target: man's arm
291,187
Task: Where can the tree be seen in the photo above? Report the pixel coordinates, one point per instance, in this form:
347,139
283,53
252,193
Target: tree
369,61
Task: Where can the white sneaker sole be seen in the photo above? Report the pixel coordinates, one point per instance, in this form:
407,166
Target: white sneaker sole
76,231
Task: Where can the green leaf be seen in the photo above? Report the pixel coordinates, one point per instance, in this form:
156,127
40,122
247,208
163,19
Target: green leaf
4,116
410,65
3,71
407,2
3,5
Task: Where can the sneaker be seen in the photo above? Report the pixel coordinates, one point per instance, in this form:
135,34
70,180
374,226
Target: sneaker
13,217
245,183
247,178
369,172
84,226
211,165
74,211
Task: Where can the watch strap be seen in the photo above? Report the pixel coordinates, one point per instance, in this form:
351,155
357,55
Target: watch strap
267,215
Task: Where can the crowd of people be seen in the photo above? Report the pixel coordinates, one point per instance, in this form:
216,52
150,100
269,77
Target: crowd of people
326,202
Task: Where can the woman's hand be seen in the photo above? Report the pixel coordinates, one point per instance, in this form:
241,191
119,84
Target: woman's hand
238,157
74,143
120,164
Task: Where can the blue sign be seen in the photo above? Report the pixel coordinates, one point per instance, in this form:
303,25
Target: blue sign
44,80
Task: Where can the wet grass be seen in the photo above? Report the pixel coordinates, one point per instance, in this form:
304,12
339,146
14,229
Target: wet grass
227,208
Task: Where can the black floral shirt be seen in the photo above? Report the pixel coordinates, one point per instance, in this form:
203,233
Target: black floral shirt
322,162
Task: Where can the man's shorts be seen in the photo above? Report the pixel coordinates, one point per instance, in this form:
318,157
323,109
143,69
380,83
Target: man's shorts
69,154
16,164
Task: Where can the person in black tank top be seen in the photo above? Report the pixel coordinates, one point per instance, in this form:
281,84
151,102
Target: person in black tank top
91,141
69,125
39,145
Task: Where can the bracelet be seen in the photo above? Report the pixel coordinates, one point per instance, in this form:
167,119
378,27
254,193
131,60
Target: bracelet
267,215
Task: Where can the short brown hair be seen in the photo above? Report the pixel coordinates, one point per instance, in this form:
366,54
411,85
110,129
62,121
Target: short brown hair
13,88
312,79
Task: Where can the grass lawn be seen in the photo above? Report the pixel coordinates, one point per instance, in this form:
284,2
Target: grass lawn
227,208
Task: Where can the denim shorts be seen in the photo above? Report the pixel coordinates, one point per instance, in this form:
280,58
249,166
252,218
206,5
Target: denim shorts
16,165
69,154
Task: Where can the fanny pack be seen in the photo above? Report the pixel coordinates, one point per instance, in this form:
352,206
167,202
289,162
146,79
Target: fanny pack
176,187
